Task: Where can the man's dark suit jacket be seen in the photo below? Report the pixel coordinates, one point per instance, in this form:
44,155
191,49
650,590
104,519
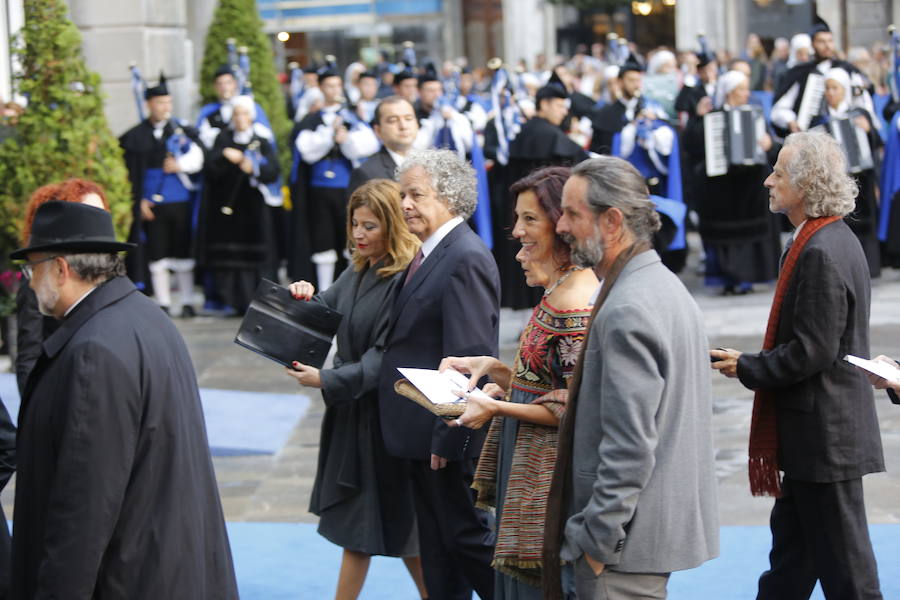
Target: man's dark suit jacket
378,166
450,307
827,425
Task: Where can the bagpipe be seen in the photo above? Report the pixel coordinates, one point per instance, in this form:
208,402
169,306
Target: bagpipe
894,79
617,49
296,86
138,87
644,156
408,55
508,117
254,153
239,61
452,85
177,144
446,138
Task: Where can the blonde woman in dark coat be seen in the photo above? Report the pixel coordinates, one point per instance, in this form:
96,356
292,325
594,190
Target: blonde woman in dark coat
361,493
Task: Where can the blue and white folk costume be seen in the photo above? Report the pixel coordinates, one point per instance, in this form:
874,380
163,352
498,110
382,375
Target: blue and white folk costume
320,179
216,116
740,234
165,241
864,218
456,133
470,107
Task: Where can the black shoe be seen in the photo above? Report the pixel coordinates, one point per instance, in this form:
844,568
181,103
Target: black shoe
188,312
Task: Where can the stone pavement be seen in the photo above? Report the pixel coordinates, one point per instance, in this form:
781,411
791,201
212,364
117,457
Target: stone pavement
276,488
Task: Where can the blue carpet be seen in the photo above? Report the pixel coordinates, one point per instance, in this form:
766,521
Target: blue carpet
277,561
237,423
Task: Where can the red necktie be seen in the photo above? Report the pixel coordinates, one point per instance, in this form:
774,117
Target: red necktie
414,266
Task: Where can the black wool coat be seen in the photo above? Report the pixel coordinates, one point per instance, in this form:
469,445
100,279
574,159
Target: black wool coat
115,491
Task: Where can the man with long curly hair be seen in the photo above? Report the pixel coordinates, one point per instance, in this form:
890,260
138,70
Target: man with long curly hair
814,414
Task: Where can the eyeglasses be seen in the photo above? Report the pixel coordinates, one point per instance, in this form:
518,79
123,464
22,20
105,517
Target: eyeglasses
28,268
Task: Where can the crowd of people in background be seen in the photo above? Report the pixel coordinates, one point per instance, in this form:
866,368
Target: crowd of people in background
423,195
213,210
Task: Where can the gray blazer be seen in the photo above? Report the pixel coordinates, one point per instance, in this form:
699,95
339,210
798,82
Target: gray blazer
644,485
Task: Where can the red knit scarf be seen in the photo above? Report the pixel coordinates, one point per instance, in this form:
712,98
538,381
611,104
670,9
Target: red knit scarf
764,477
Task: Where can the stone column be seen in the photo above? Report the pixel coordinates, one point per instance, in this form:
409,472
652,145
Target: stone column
867,22
706,16
830,11
11,20
199,17
153,34
453,29
529,28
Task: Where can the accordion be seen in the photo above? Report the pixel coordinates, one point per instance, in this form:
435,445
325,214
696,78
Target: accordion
811,102
732,137
854,141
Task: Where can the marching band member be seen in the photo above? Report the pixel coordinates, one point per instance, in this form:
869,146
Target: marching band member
235,225
216,116
329,143
162,154
740,234
786,109
863,220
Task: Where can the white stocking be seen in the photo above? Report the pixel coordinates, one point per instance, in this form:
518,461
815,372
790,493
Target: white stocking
325,262
162,282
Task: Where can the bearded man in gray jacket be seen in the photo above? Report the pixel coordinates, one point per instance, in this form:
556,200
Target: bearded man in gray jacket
634,490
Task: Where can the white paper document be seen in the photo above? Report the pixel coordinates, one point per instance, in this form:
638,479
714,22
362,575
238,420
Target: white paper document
881,369
439,387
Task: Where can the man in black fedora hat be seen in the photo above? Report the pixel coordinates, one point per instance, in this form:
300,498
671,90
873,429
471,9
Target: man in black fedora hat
115,491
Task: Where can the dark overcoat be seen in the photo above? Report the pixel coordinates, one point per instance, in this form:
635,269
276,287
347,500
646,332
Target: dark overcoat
7,468
361,493
115,492
450,307
827,425
378,166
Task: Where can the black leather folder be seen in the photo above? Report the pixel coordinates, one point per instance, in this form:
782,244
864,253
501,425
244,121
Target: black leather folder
285,329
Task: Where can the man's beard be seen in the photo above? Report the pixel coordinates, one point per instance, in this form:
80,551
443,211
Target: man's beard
587,254
47,297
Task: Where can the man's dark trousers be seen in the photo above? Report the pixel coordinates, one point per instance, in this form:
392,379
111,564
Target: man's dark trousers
819,532
457,545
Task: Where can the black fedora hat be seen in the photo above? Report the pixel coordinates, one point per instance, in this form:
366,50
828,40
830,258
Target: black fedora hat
73,227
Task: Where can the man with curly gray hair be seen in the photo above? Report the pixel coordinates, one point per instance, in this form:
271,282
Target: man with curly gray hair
448,304
814,414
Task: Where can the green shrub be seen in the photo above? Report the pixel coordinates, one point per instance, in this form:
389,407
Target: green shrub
63,132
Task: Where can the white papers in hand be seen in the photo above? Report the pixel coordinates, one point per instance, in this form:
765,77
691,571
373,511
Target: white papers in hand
439,387
884,370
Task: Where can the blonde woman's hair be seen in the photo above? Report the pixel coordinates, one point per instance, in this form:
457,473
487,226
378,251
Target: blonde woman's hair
382,197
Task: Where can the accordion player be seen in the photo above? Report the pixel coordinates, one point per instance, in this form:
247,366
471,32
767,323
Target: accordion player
731,137
854,140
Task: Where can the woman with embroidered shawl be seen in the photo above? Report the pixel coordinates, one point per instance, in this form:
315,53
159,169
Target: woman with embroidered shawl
516,465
